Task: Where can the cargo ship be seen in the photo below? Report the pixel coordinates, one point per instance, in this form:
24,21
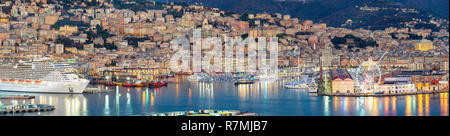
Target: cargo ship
41,77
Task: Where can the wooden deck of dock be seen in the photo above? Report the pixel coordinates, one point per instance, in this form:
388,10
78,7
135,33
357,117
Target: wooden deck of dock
26,108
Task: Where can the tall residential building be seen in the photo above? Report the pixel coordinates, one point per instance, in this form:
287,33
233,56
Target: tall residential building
59,49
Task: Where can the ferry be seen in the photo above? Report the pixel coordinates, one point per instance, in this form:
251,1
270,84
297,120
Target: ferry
41,77
157,84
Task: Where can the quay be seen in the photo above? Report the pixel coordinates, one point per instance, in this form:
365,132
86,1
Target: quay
151,84
174,82
208,113
16,97
25,108
383,95
243,82
96,90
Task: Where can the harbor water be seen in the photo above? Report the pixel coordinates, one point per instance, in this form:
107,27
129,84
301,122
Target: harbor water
267,99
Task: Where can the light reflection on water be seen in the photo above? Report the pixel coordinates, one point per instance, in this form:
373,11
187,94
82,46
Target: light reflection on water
264,98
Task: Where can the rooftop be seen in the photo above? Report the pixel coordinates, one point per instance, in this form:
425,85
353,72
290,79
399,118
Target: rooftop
340,74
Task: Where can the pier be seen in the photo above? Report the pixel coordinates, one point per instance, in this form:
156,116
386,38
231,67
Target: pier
25,108
208,113
383,95
96,90
16,97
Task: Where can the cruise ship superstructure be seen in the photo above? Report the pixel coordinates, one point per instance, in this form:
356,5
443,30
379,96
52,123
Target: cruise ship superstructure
40,77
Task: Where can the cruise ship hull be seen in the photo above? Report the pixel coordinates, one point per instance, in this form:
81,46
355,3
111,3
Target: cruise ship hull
73,87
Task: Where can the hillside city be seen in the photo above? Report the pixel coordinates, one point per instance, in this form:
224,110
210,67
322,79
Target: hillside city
97,37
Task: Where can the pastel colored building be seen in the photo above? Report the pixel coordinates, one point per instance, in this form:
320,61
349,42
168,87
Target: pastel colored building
394,89
341,82
429,83
396,85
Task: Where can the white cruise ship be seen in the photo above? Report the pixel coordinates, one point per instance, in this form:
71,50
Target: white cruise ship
40,77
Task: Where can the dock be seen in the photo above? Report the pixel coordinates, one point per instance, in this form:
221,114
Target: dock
25,108
384,95
16,97
208,113
174,82
96,90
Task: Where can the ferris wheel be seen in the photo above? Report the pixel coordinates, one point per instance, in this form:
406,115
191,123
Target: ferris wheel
368,75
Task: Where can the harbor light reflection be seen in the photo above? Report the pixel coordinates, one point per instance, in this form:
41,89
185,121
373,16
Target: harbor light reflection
262,97
444,104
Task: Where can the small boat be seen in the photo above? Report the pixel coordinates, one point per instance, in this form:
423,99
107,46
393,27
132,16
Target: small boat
171,75
244,81
118,83
110,84
154,84
128,84
139,85
146,84
194,78
298,84
313,90
158,84
313,87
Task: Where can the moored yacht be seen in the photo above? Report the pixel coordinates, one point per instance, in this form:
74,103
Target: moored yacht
194,78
